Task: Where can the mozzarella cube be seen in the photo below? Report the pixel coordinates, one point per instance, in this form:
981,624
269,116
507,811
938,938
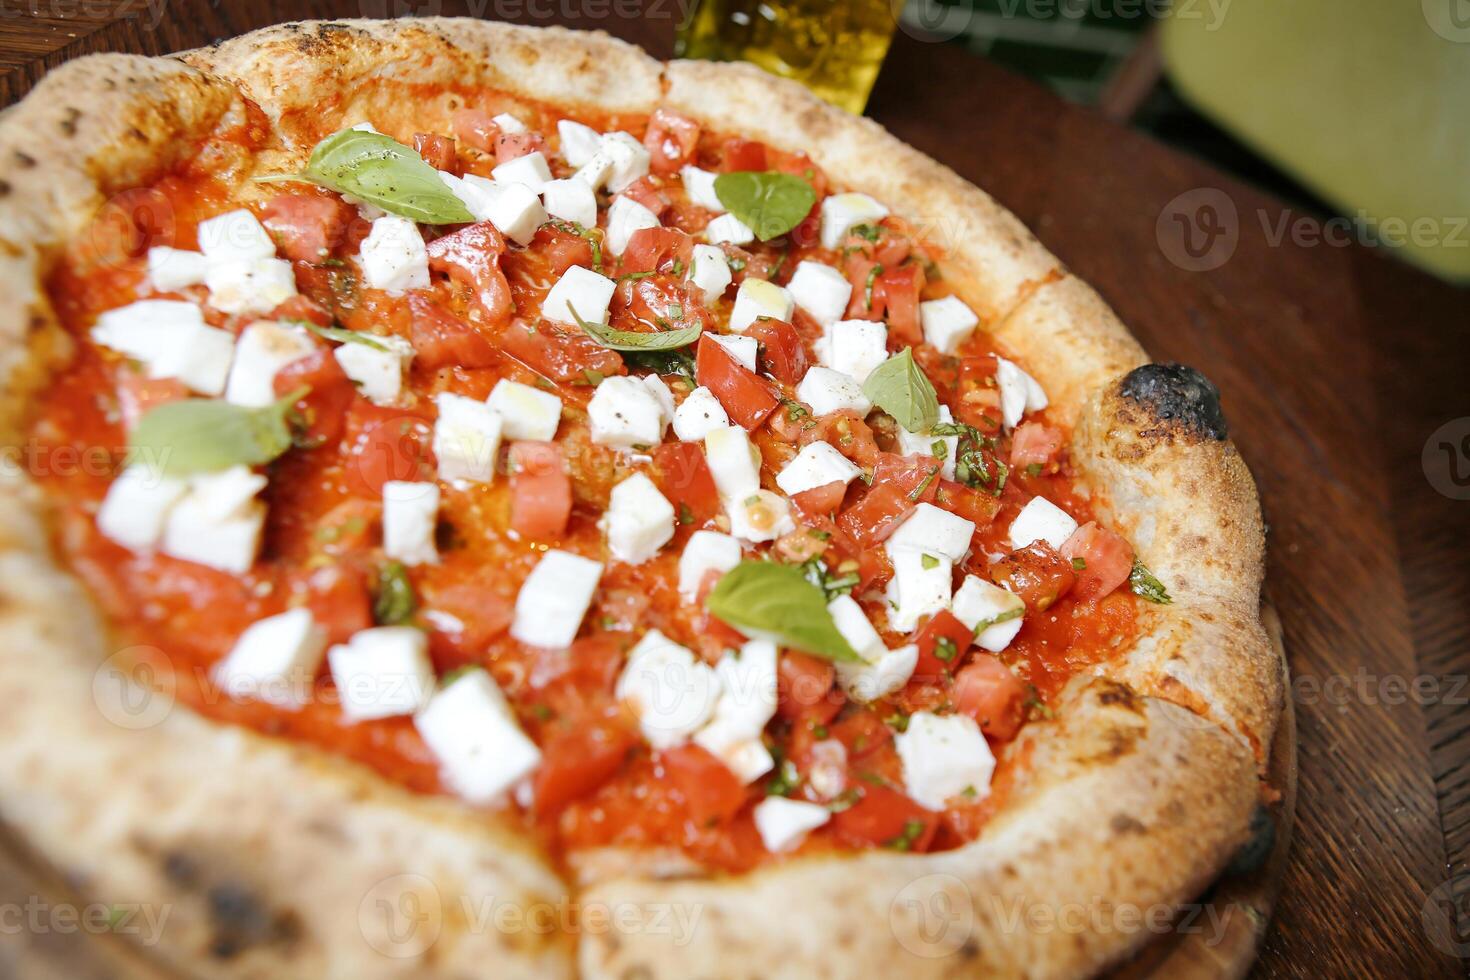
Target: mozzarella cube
630,159
747,701
218,522
410,515
234,236
759,516
943,757
700,186
625,414
672,692
979,602
172,269
728,228
709,271
529,170
856,628
263,349
698,415
934,530
733,462
469,728
854,347
377,368
887,673
570,200
467,437
705,552
1019,392
528,412
639,520
554,598
842,212
226,494
743,349
947,322
595,172
508,123
747,758
920,586
824,391
172,340
783,824
137,505
758,298
249,285
661,393
275,660
579,143
393,256
624,217
513,208
817,465
924,444
820,290
582,290
1041,520
382,672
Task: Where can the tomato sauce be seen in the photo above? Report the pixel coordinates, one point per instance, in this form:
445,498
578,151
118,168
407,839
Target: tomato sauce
600,785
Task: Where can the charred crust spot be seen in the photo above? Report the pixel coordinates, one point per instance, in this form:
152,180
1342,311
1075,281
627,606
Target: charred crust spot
181,869
1120,696
241,920
970,949
1177,395
68,122
4,188
1122,824
24,160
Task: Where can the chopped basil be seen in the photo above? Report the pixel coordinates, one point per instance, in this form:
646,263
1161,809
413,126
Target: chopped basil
201,435
394,601
873,274
777,601
1033,469
615,339
898,721
929,561
635,276
912,831
939,450
902,390
999,618
1143,583
785,779
676,311
1078,564
868,232
817,574
769,202
918,491
342,335
794,410
381,171
944,649
456,674
686,516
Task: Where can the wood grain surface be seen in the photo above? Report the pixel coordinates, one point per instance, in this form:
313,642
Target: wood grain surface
1338,367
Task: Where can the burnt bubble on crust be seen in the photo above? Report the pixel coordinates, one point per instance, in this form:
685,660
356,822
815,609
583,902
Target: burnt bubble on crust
1179,394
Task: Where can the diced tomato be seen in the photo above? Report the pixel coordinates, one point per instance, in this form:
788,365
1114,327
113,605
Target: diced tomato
137,394
974,505
648,192
475,127
874,567
683,477
862,272
1107,560
325,406
804,686
943,642
782,353
670,140
509,146
799,165
562,249
900,483
820,500
1034,444
650,249
385,444
560,355
479,611
848,434
742,154
301,307
747,396
577,761
307,227
437,151
659,301
712,793
540,491
471,255
1036,573
897,293
338,599
588,680
441,339
861,731
885,816
987,690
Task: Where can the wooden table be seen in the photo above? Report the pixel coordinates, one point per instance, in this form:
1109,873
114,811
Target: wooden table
1337,364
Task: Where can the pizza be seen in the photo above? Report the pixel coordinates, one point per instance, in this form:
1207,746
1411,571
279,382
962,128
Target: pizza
628,518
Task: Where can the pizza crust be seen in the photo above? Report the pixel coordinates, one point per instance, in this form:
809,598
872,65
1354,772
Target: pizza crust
1137,793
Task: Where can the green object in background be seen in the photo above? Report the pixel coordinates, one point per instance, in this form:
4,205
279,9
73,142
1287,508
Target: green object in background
1365,101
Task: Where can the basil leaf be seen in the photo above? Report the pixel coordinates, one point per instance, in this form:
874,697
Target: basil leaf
1143,583
208,435
380,170
899,388
394,601
342,335
769,202
614,339
777,601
